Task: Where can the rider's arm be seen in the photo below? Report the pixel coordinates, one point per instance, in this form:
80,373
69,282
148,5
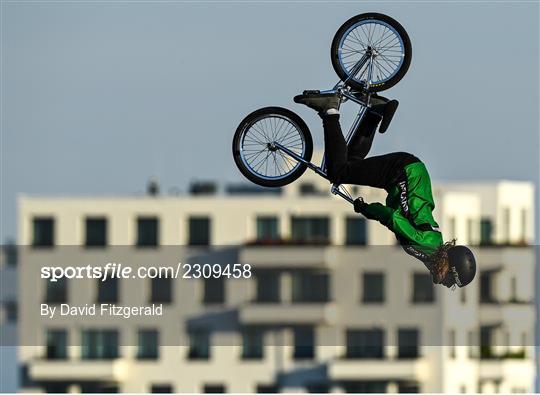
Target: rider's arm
402,227
379,212
393,220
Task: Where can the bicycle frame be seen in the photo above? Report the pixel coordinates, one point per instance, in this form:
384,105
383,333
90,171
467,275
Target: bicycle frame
352,96
321,170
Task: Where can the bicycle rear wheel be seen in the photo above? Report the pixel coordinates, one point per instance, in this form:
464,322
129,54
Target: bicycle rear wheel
383,40
254,151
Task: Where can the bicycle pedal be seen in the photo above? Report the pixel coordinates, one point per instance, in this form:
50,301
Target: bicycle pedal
312,92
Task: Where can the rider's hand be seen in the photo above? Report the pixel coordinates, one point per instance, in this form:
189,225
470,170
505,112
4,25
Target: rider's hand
362,207
359,205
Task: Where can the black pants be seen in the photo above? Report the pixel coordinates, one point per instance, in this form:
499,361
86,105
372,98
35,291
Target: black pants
349,165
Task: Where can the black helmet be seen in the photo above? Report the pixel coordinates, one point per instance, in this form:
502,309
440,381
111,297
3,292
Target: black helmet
462,265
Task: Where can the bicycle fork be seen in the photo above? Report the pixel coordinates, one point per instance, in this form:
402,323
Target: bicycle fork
335,188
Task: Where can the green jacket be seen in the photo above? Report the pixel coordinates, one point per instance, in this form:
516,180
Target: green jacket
409,212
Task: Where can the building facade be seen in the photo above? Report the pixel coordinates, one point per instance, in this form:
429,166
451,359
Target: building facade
331,303
8,318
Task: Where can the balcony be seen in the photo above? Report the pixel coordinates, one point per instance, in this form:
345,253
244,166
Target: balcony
285,313
261,257
68,370
507,312
499,368
379,369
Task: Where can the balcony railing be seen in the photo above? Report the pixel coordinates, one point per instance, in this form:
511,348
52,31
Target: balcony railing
487,352
385,369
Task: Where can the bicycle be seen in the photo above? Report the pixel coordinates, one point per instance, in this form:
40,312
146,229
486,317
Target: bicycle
370,52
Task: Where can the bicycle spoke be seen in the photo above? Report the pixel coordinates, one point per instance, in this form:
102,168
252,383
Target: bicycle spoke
384,37
384,68
257,153
386,43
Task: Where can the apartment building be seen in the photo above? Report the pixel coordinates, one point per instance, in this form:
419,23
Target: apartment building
8,318
332,303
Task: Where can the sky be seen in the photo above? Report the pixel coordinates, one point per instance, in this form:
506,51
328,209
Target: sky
99,96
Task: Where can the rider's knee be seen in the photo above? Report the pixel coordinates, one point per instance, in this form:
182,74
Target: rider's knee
408,156
336,174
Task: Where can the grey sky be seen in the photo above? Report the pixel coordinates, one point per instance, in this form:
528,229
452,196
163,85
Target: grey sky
97,97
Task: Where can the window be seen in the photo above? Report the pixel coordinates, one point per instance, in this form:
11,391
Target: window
408,343
56,291
43,235
308,188
96,387
452,343
373,287
103,389
310,287
513,289
486,287
56,344
99,344
423,291
267,229
107,290
147,232
161,290
365,386
214,389
199,231
486,231
355,231
314,230
161,389
214,291
487,342
473,344
10,311
148,344
304,343
366,343
408,388
199,345
318,387
267,389
55,388
252,343
96,232
268,287
11,254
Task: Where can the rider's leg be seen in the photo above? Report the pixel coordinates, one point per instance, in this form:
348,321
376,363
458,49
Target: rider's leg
361,143
376,171
335,147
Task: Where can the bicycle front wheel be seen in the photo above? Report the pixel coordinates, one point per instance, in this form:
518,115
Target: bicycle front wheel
371,49
254,149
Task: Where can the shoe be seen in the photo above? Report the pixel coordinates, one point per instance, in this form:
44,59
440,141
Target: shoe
378,104
320,102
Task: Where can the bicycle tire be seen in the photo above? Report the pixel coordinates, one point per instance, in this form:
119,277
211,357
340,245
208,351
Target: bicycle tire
349,26
262,115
